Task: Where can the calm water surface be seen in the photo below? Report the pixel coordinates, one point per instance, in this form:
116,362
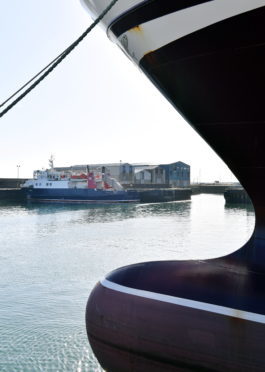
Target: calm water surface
52,256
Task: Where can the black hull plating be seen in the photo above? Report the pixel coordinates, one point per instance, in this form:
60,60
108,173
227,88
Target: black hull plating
215,77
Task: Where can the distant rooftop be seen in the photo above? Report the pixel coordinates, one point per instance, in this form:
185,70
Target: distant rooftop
100,165
147,167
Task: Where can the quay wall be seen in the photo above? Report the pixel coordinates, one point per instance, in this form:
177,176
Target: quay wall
164,195
209,188
236,196
12,194
10,190
11,183
141,186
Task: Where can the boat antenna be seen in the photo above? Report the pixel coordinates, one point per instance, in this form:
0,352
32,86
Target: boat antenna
51,66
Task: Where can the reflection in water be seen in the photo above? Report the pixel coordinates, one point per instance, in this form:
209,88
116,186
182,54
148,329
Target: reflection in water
112,212
52,255
121,212
99,212
237,206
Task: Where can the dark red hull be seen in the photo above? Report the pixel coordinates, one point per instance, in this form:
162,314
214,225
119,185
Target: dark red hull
178,316
138,334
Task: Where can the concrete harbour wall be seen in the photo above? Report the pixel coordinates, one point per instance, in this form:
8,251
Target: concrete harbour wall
11,183
164,195
236,196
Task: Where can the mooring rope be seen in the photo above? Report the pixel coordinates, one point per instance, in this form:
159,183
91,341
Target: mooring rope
54,63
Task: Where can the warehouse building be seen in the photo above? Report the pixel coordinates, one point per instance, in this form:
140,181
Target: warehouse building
177,174
150,175
164,175
122,172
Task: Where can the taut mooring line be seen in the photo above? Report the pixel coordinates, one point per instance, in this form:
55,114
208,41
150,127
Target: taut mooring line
51,66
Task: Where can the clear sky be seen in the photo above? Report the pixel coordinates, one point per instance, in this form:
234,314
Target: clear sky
96,107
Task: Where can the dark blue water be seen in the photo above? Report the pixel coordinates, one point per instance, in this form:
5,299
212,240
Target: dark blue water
52,256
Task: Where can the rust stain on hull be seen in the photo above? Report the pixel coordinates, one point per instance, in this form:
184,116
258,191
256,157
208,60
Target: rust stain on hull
136,29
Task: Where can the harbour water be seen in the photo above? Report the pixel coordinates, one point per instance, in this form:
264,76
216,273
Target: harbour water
51,256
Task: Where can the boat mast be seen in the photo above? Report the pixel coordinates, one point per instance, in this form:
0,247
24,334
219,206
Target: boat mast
51,162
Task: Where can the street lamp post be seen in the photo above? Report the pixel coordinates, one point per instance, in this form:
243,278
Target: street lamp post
18,166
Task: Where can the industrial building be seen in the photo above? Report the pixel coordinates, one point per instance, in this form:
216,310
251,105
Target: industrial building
150,175
122,172
177,174
164,175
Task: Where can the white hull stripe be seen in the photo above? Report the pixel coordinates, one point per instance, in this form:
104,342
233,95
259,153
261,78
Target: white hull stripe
227,311
96,7
161,31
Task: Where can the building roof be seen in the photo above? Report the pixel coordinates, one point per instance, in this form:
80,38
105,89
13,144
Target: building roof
101,165
148,167
137,166
81,166
142,164
177,163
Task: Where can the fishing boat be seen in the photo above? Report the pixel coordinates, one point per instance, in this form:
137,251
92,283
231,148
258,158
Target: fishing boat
207,58
69,187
